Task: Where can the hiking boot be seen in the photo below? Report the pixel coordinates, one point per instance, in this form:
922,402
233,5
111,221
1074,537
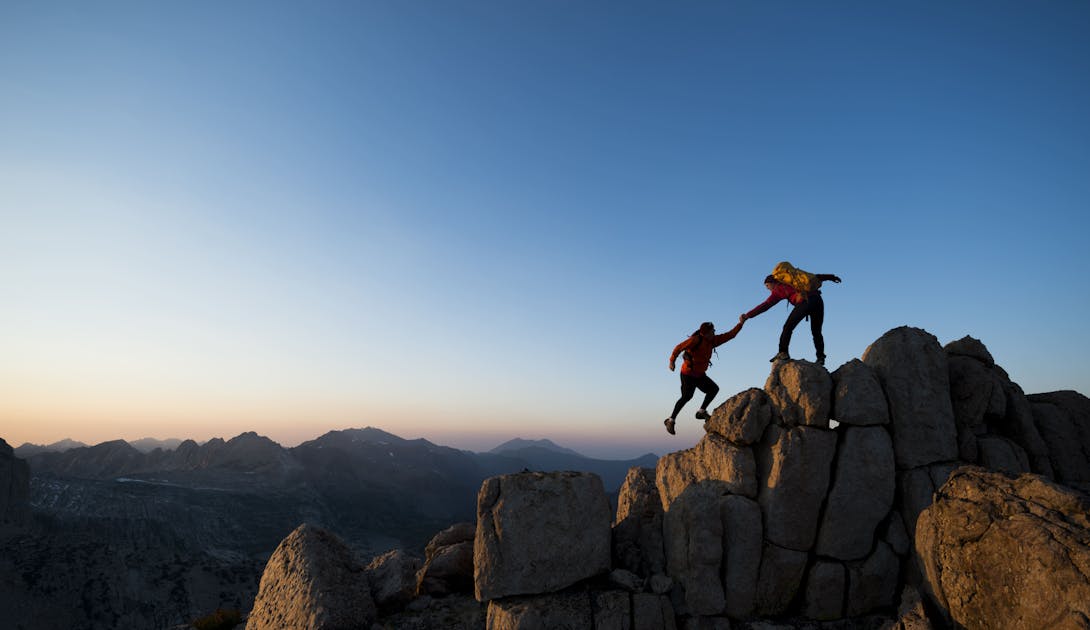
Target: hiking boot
702,414
669,422
780,356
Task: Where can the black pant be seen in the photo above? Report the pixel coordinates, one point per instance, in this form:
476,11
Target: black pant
815,308
689,385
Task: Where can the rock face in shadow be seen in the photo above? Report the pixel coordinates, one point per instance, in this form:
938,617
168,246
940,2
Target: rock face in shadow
858,398
1002,551
14,488
562,610
912,368
314,582
794,467
1063,420
861,495
448,562
539,533
995,422
637,529
694,546
393,577
742,542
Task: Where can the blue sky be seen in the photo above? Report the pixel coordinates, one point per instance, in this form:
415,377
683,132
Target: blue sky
470,221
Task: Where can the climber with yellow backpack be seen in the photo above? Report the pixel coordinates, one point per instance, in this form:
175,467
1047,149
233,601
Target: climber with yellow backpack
803,290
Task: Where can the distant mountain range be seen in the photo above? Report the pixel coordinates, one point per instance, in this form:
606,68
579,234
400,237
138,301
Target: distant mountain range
201,519
144,445
28,449
252,454
369,484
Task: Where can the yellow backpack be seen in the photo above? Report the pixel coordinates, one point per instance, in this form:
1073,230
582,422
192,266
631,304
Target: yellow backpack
801,281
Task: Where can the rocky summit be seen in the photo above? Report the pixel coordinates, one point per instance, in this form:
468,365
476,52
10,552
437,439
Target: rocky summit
915,488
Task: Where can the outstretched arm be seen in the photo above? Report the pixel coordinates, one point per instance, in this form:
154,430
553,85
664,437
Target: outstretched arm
730,334
828,276
762,307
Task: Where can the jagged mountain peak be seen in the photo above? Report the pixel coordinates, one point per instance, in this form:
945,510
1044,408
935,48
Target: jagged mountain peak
149,444
27,449
250,437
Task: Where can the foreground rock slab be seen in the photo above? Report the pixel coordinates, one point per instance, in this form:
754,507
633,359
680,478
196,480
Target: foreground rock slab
312,582
393,579
1011,552
448,565
539,533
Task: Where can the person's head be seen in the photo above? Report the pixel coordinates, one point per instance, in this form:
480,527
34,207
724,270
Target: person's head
770,282
707,328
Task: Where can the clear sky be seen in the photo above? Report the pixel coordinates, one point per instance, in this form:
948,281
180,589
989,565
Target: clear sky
471,221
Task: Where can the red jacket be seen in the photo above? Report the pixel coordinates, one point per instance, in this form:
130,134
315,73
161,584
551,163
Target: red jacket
785,291
779,292
700,351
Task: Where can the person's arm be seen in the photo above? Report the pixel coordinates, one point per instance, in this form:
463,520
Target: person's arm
764,306
828,276
723,338
681,347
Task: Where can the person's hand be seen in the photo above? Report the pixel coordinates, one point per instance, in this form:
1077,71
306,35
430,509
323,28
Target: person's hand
836,279
671,366
742,317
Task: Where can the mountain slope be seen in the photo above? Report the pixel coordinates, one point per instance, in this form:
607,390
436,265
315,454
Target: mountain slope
518,444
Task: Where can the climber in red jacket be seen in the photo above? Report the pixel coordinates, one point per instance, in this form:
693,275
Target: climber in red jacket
806,303
697,351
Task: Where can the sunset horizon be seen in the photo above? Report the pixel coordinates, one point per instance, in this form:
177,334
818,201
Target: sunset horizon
465,220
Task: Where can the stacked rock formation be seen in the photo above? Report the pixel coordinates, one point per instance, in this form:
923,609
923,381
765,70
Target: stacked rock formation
802,499
776,513
539,534
811,499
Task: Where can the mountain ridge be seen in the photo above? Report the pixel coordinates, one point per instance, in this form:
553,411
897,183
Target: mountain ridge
27,449
149,445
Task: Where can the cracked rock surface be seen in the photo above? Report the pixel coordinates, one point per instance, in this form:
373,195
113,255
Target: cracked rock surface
1011,552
